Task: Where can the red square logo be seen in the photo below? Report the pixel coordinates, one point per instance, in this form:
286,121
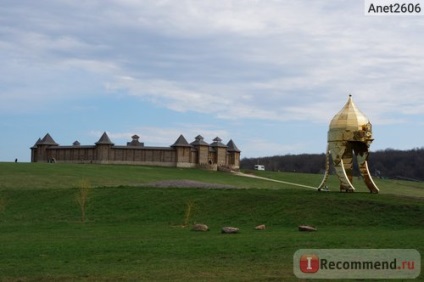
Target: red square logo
309,263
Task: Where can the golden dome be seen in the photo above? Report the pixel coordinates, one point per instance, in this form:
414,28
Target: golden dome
349,124
349,118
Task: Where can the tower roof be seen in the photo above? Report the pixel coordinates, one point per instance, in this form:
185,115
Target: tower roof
134,141
47,140
199,141
232,147
217,142
36,143
104,140
349,118
181,142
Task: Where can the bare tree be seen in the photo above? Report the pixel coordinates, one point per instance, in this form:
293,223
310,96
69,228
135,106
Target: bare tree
82,197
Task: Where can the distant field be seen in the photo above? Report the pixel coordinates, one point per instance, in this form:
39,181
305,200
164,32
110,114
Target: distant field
136,233
45,176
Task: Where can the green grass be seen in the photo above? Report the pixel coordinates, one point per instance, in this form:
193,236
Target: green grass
46,176
135,233
386,186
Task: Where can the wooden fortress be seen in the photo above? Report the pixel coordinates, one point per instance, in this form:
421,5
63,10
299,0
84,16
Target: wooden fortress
199,153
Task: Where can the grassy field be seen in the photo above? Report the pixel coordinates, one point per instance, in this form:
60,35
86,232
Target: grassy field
133,232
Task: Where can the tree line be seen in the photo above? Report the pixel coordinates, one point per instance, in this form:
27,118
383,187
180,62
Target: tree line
388,163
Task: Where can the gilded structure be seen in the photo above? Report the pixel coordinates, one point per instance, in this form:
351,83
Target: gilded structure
199,153
349,136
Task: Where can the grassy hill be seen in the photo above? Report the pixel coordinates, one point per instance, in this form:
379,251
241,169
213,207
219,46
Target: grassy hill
135,232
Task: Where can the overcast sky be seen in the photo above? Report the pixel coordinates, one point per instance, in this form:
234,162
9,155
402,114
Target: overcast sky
268,74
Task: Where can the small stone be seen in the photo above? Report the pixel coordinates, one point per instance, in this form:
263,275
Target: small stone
200,227
307,228
229,230
260,227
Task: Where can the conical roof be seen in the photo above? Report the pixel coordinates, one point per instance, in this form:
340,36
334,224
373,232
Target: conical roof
181,142
232,147
349,118
199,141
47,140
36,143
104,140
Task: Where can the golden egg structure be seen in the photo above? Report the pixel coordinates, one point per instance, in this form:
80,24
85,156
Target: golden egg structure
349,137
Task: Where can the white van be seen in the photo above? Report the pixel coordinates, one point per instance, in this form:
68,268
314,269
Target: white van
259,167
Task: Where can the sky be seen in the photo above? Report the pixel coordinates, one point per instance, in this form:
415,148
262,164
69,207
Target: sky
268,74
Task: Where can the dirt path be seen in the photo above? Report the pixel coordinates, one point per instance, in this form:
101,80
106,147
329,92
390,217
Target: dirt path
185,183
273,180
